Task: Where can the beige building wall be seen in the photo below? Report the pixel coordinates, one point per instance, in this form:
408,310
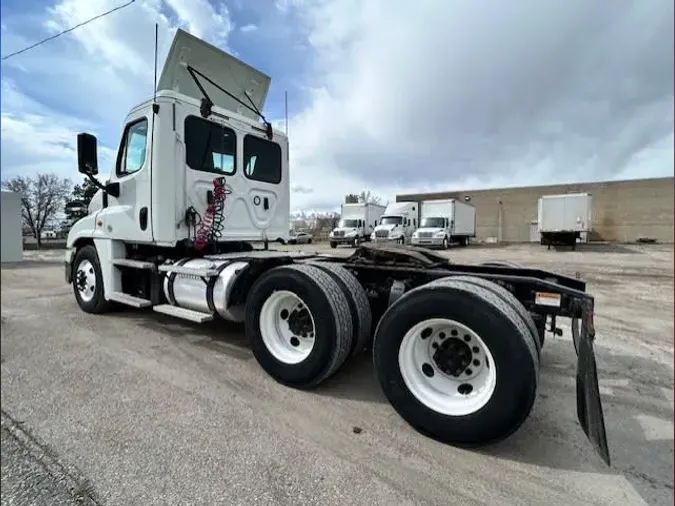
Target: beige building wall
623,211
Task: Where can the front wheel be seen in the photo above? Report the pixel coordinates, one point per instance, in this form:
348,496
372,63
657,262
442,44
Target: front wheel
445,243
457,363
88,281
357,241
401,240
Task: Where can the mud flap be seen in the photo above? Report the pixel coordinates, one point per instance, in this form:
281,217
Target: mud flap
589,404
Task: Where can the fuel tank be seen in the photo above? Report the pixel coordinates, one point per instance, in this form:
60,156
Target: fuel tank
205,294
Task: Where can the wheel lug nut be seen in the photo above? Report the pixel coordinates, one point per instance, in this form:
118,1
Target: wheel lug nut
467,338
469,372
476,363
475,349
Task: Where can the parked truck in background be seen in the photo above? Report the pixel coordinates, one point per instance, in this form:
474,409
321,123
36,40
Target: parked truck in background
456,347
397,224
563,218
443,222
357,222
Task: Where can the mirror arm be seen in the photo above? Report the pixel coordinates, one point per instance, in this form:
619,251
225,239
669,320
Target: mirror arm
112,188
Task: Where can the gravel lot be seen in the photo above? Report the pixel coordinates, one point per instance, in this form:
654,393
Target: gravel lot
137,408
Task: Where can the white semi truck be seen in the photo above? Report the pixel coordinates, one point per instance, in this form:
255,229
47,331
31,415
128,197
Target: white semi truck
357,222
397,224
443,222
561,219
198,179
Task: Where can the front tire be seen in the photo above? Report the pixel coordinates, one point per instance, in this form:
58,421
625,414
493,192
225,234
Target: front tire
438,388
445,243
88,281
299,324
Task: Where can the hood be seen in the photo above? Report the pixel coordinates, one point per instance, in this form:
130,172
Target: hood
386,227
433,230
222,68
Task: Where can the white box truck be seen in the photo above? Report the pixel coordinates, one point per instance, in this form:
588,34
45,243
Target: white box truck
563,218
173,232
357,222
443,222
398,223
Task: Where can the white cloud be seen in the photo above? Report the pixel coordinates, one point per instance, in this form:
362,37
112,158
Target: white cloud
93,76
248,28
431,95
404,96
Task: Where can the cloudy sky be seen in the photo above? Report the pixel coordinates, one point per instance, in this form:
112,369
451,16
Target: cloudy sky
390,97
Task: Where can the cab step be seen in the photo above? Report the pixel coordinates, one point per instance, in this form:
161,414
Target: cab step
135,264
188,271
185,314
129,300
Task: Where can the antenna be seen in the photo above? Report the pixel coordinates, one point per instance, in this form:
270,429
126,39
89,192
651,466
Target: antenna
286,109
154,89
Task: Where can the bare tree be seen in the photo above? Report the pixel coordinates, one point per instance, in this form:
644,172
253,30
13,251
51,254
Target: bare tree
369,198
42,198
352,198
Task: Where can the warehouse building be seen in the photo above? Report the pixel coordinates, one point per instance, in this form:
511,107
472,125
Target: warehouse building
623,211
11,242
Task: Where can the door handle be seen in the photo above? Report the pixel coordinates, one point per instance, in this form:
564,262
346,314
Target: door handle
266,204
209,197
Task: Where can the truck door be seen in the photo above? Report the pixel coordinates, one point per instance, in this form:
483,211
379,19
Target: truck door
129,216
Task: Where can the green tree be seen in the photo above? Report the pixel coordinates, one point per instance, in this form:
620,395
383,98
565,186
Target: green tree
42,197
80,198
352,198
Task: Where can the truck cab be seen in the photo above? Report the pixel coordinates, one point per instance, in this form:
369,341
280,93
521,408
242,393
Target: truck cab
433,231
191,147
357,222
397,224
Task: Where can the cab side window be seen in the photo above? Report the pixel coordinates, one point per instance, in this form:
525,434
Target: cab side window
131,156
262,160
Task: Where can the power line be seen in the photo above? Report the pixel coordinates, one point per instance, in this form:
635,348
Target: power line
68,30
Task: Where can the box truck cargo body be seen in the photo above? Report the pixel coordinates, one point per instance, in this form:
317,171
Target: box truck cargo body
398,223
443,222
357,222
563,218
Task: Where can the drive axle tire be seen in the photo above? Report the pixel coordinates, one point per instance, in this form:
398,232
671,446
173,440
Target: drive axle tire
299,324
457,363
88,281
359,305
507,297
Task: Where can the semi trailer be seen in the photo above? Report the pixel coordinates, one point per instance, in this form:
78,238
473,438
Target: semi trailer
561,219
443,222
397,224
456,347
357,222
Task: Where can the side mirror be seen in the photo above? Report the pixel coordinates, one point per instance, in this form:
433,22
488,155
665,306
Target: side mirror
87,159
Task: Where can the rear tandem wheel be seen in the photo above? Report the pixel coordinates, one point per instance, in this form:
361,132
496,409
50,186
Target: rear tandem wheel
299,324
457,362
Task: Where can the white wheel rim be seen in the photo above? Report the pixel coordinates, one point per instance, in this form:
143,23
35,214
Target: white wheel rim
280,335
438,390
85,277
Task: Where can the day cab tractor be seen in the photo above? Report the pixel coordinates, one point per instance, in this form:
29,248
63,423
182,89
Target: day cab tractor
199,179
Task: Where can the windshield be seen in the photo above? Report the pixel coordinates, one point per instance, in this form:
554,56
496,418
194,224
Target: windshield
433,223
348,223
391,220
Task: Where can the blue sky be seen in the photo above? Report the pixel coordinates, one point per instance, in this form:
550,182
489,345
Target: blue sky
383,96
